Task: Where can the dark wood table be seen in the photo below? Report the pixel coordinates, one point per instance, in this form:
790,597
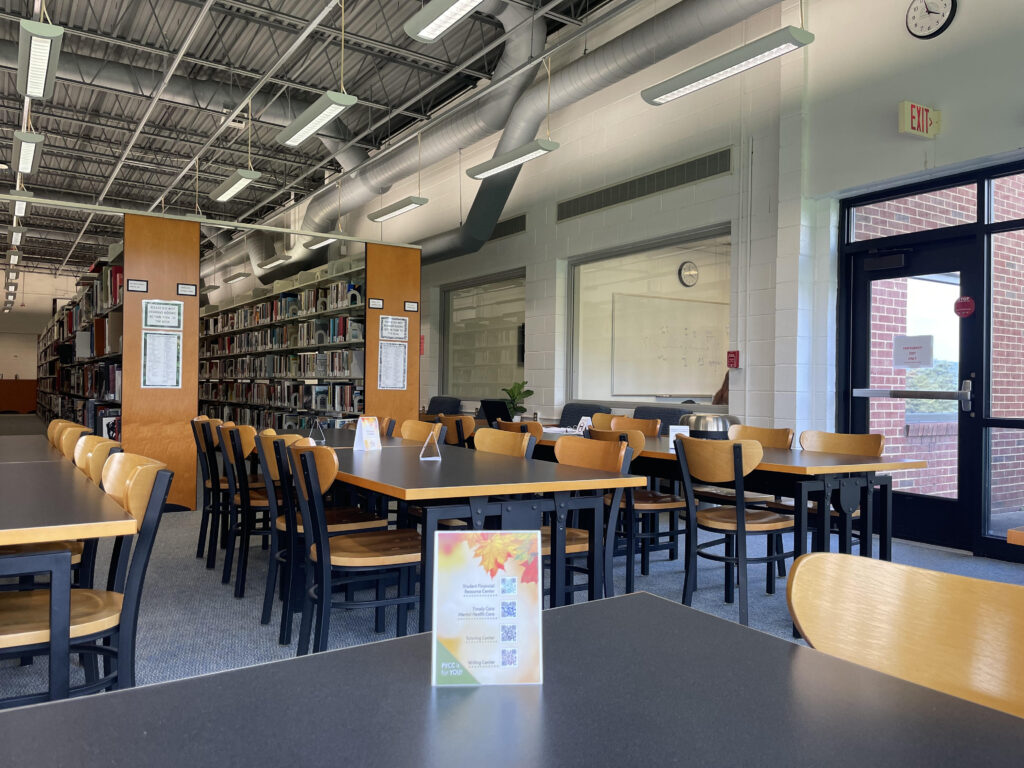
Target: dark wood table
464,485
53,501
16,449
635,680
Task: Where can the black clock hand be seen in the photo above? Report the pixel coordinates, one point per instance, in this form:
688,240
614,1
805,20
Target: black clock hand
929,10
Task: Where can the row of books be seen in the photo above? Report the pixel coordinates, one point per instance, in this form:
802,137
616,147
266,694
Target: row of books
336,296
104,420
262,418
101,381
309,333
333,364
325,398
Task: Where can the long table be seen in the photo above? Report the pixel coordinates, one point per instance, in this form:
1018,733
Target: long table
15,449
635,680
465,483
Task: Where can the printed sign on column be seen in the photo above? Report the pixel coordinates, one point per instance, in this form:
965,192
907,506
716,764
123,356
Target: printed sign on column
487,602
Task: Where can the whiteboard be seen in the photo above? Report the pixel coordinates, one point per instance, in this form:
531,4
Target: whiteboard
665,346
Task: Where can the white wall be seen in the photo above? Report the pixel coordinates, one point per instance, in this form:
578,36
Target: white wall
18,355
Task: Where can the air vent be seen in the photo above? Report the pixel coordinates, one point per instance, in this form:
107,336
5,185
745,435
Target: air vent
512,226
690,172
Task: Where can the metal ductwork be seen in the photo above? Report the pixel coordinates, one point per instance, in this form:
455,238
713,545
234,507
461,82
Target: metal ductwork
661,36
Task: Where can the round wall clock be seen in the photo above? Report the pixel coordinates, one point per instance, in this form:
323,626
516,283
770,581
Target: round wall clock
688,274
930,18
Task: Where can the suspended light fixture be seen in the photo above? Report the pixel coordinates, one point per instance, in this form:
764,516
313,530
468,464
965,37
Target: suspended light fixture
14,258
315,117
38,49
235,183
437,17
319,242
16,234
235,277
512,158
12,286
732,63
6,310
27,150
273,261
397,209
11,296
19,208
208,288
13,274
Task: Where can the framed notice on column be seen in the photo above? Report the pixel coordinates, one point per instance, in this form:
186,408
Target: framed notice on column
161,360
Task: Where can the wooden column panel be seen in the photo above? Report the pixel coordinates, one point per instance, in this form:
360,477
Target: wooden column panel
393,276
155,422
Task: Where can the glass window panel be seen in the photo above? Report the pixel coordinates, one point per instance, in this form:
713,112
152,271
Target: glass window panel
916,213
917,429
679,355
1005,481
1007,341
1008,198
485,338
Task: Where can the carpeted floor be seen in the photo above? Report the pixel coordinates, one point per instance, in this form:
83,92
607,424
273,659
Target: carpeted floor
190,624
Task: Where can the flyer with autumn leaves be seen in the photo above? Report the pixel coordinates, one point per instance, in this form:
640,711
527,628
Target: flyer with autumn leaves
487,603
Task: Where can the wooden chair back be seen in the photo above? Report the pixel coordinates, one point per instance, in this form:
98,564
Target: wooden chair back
98,458
413,429
836,442
534,428
634,438
265,447
768,438
268,431
83,448
69,438
325,459
246,436
591,454
954,634
458,428
128,479
503,442
601,421
52,428
712,461
650,427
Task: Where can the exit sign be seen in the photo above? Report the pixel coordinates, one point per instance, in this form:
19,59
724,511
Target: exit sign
919,120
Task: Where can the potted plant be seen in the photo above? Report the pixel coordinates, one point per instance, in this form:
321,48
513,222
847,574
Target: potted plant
517,395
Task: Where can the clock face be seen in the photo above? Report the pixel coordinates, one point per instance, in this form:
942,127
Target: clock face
930,18
688,274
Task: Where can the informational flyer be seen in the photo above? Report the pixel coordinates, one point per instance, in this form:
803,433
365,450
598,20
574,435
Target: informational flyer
394,327
367,434
162,314
161,360
392,365
487,603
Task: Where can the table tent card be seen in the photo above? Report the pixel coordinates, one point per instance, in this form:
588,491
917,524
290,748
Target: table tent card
585,423
367,434
672,432
430,451
487,602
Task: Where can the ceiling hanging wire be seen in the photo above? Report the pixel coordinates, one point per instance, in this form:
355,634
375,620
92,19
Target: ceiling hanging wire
341,63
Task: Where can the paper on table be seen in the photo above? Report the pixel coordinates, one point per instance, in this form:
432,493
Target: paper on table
161,360
391,365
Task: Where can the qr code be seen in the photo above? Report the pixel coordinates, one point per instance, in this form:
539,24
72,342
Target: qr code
508,633
508,585
509,658
508,609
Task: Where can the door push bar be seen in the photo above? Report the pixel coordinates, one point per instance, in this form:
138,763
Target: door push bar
963,395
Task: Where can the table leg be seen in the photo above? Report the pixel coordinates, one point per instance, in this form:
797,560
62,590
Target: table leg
558,520
430,517
595,557
823,533
867,525
884,483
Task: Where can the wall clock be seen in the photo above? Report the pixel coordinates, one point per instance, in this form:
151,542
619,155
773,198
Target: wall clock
930,18
688,274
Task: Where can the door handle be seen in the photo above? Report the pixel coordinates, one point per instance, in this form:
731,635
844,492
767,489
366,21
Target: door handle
963,395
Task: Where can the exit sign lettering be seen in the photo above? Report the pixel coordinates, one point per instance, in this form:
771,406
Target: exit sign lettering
919,120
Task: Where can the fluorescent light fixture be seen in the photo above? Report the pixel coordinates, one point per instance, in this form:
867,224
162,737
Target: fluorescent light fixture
6,310
209,288
235,183
512,158
437,17
12,275
38,49
12,286
16,234
11,296
14,257
235,277
319,242
28,147
273,261
19,208
315,117
397,209
732,63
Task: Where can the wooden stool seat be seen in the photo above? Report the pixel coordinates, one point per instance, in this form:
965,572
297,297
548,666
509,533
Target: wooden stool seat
25,616
74,547
719,494
373,549
577,541
339,519
724,519
645,500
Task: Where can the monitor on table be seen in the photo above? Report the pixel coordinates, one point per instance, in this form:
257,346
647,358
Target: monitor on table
495,409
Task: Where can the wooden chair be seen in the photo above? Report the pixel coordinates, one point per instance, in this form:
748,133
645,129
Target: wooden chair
102,622
534,428
953,634
268,431
249,504
83,448
58,433
649,427
727,461
603,456
642,509
768,438
98,459
601,421
52,428
216,480
69,437
458,429
382,557
413,429
204,471
505,442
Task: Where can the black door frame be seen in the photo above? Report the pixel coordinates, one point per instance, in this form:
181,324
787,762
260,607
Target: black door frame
850,414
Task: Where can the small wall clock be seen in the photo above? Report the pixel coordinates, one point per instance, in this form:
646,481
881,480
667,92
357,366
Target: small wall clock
688,274
930,18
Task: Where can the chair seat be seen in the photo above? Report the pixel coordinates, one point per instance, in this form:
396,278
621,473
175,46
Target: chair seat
577,540
25,616
451,522
74,547
716,493
724,519
257,498
374,548
253,480
645,500
339,519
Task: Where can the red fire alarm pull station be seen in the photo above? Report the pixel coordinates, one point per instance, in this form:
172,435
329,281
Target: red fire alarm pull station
964,306
732,358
